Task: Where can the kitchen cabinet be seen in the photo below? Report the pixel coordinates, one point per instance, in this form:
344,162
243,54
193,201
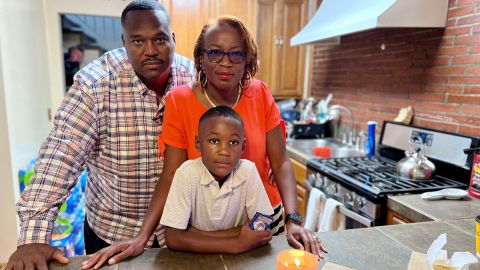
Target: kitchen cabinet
281,66
272,23
187,19
394,218
244,10
189,16
300,172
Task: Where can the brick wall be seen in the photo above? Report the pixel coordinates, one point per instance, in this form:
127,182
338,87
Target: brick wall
436,71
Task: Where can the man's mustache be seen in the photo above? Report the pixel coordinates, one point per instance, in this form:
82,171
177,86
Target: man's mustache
152,60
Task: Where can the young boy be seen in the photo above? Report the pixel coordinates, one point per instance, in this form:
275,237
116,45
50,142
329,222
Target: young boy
212,198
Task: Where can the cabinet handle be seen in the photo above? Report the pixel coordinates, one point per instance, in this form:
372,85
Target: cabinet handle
278,41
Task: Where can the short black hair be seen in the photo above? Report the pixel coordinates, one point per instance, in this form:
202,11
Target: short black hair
70,50
144,5
224,111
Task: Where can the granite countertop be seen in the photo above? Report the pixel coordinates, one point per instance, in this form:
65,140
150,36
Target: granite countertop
299,156
384,247
410,206
418,210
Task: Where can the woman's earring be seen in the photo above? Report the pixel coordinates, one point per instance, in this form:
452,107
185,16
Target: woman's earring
203,79
247,78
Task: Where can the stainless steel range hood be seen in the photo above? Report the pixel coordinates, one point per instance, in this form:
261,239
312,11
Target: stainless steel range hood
335,18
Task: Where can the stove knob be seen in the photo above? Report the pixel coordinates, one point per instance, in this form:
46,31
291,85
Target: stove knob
311,178
325,181
319,181
349,197
359,202
333,189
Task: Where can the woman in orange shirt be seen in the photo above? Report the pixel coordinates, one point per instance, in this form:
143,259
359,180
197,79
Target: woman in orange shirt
226,61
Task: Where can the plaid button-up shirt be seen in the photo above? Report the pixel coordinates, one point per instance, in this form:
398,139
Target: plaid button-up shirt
108,123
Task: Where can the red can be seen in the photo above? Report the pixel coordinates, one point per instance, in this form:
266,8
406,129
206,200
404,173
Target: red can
474,188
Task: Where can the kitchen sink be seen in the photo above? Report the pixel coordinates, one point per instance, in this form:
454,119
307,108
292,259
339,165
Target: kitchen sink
338,149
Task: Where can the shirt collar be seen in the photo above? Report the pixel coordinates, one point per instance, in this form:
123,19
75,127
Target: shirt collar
235,179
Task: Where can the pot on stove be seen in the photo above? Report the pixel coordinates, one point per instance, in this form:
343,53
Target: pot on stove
416,166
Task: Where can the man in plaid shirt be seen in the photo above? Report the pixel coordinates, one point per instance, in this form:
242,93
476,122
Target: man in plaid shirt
108,124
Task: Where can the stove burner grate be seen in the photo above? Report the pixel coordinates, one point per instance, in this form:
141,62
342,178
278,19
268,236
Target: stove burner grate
378,176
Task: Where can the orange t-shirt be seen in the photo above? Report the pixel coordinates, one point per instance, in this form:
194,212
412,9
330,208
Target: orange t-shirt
257,110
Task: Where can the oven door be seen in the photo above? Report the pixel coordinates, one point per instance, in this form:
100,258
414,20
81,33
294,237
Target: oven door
354,220
353,217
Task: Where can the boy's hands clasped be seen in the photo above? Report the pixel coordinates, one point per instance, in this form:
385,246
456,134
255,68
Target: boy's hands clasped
249,239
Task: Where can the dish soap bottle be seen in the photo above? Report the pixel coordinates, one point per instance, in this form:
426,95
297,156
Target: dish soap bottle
474,188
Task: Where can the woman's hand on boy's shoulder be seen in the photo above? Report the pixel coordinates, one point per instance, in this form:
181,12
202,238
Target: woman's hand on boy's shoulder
249,239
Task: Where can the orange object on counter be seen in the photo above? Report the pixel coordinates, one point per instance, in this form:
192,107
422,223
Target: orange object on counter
322,151
296,259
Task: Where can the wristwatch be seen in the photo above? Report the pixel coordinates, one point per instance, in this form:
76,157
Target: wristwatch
294,217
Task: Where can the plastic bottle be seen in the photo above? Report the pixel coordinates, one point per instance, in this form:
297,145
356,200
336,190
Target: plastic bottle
29,170
370,144
477,239
21,179
78,233
62,237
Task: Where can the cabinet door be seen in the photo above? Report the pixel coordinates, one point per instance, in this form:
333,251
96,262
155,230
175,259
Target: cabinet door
281,66
187,18
394,218
245,10
291,60
300,172
266,42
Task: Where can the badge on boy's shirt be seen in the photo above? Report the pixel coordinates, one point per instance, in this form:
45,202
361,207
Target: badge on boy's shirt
260,222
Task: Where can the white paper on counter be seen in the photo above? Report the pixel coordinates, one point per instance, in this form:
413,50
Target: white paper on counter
333,266
458,260
435,249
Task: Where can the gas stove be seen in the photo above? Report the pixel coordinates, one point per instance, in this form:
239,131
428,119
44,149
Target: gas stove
362,184
375,177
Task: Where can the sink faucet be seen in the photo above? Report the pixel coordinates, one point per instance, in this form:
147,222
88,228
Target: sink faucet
333,112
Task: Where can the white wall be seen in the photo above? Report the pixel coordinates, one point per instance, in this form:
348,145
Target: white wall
24,101
7,197
31,83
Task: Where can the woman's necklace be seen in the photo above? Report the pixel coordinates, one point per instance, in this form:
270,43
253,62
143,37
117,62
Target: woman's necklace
213,104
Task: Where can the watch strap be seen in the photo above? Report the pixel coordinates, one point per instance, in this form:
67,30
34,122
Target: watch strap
295,217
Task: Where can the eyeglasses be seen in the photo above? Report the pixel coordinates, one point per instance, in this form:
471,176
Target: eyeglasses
216,56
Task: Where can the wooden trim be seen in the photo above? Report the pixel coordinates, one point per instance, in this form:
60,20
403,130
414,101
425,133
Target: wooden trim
299,170
395,218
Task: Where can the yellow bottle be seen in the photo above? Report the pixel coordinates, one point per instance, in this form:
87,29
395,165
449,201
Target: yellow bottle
477,227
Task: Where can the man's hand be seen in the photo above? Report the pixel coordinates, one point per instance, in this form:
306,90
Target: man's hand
34,256
119,251
296,235
248,239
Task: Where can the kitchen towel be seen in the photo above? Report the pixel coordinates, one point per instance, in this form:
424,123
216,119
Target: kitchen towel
331,218
316,201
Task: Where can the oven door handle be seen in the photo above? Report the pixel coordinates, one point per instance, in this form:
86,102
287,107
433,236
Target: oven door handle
355,216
